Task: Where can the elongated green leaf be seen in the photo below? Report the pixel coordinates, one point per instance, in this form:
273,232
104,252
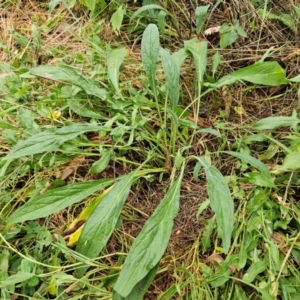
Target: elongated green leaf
201,14
180,56
295,79
102,221
286,19
297,10
140,288
52,4
199,52
152,12
145,8
290,163
16,278
56,200
206,241
117,19
150,53
102,163
161,20
217,58
258,179
276,122
266,73
83,108
220,201
114,61
254,270
254,162
151,243
172,74
91,4
174,289
69,75
49,140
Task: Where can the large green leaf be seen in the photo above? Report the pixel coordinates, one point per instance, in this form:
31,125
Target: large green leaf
199,52
172,73
150,53
56,200
103,219
114,61
220,201
67,74
49,140
266,73
151,243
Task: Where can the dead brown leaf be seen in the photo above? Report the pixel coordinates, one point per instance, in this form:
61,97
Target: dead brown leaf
72,166
212,30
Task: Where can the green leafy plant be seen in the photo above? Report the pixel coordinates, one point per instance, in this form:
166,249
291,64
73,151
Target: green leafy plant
60,215
230,33
117,19
89,241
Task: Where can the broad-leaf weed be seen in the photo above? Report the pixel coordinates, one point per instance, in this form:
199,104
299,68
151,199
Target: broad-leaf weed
84,130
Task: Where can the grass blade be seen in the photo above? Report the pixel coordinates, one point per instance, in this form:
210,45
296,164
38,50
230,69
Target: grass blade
114,61
56,200
150,53
220,201
151,243
102,221
172,74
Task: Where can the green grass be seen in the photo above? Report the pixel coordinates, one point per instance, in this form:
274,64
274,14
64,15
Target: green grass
144,159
